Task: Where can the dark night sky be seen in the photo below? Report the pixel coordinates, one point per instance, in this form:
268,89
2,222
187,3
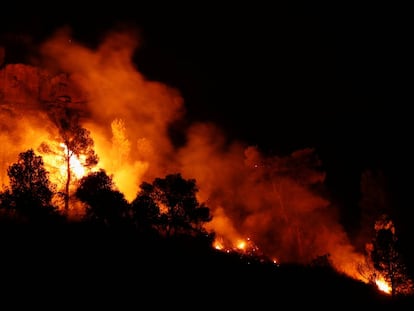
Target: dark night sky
279,79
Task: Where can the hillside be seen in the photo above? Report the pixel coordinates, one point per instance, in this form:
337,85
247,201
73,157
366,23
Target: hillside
100,266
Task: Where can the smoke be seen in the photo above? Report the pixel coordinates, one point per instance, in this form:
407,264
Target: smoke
19,133
128,115
276,201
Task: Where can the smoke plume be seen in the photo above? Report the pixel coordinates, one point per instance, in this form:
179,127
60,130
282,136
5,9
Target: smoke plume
278,202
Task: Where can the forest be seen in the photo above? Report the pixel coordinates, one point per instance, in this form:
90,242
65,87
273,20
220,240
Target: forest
158,245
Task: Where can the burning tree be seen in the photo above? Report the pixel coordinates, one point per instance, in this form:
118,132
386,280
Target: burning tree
30,193
76,143
388,266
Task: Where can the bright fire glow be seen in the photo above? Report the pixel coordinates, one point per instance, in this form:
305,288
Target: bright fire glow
75,164
383,285
241,244
218,245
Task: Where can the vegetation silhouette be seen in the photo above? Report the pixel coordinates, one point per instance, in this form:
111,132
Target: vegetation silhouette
104,204
387,259
28,198
172,206
76,140
154,247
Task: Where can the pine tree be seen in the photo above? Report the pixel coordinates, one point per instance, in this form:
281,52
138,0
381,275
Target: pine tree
387,260
31,192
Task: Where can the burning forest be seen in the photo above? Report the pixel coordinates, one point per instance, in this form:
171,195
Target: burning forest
84,110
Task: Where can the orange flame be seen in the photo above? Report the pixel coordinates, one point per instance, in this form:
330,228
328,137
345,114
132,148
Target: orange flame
241,244
383,285
75,164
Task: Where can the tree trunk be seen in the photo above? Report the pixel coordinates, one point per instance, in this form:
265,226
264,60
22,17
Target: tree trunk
67,184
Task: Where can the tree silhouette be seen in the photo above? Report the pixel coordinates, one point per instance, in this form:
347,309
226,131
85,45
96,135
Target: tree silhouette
30,193
292,178
375,201
180,211
76,141
105,204
145,211
387,259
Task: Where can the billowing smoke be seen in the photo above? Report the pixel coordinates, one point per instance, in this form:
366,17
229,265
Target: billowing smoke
276,201
128,115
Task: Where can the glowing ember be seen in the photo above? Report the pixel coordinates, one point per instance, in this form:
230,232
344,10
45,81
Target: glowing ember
218,245
383,285
241,244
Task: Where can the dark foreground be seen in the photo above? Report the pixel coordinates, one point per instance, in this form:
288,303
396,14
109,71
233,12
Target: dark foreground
76,267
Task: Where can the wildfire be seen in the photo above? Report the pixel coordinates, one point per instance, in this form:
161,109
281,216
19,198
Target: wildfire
218,245
240,245
383,285
75,164
56,159
271,198
56,164
245,248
